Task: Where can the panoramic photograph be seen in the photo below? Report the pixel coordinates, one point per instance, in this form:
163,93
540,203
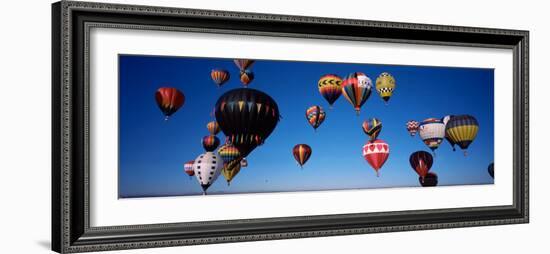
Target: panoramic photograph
212,126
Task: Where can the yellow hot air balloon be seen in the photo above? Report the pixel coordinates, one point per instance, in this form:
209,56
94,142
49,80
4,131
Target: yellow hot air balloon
231,169
462,130
385,84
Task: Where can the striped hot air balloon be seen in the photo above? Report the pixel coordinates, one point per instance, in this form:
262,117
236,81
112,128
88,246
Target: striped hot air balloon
188,168
462,130
246,77
169,100
330,87
210,143
315,115
421,162
301,153
376,153
412,127
243,64
219,76
385,84
213,127
357,89
230,170
229,152
432,132
372,128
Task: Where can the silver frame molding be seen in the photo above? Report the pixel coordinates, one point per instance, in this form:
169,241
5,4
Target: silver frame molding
71,23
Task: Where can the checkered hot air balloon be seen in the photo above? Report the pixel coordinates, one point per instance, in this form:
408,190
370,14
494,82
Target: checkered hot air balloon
376,153
169,100
315,116
412,127
356,88
385,84
372,128
301,153
432,132
330,87
219,76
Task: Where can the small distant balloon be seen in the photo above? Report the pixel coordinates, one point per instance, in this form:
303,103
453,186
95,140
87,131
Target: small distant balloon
213,127
330,87
412,127
315,115
219,76
188,168
385,84
169,100
246,77
301,153
372,128
243,64
210,143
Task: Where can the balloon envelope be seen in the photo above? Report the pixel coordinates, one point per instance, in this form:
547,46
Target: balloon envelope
372,128
169,100
219,76
315,116
301,153
385,84
412,127
421,162
376,152
207,168
188,168
330,87
432,132
210,143
462,130
356,88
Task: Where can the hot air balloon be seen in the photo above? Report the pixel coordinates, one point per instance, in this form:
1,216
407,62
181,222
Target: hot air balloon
188,168
228,153
330,87
244,163
491,170
301,153
421,162
246,77
412,127
247,117
429,181
451,142
462,130
219,76
231,170
385,84
357,89
372,128
207,168
210,143
243,64
315,115
213,127
432,132
376,153
169,100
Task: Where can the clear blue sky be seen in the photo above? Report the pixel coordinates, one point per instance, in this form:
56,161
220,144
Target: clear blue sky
152,152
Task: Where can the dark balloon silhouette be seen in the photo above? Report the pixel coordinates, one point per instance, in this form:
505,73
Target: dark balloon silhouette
421,162
429,181
491,170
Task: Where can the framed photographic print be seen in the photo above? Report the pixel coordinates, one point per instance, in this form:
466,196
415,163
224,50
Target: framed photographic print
180,126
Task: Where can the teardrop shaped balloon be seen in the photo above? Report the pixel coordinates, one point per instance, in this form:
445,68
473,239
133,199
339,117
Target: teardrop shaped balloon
449,140
385,84
412,127
356,88
421,162
243,64
210,143
462,130
230,170
228,153
432,132
315,116
429,181
491,170
246,77
219,76
169,100
213,127
330,87
207,168
247,117
188,168
372,128
301,153
376,153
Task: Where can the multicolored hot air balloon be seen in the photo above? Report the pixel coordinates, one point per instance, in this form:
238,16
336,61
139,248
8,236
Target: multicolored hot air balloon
421,162
301,153
188,168
247,117
243,64
207,168
315,115
372,128
213,127
169,100
412,127
210,143
357,89
376,152
429,181
451,142
246,77
228,153
432,132
462,130
491,170
330,87
231,170
219,76
385,84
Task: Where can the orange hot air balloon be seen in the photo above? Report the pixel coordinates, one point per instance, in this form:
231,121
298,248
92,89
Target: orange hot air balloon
301,153
376,153
219,76
169,100
213,127
243,64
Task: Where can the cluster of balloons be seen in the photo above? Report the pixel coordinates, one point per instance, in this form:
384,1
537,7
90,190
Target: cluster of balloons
221,76
356,88
458,130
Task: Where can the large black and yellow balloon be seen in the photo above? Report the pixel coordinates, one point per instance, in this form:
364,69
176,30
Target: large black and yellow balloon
246,117
462,130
